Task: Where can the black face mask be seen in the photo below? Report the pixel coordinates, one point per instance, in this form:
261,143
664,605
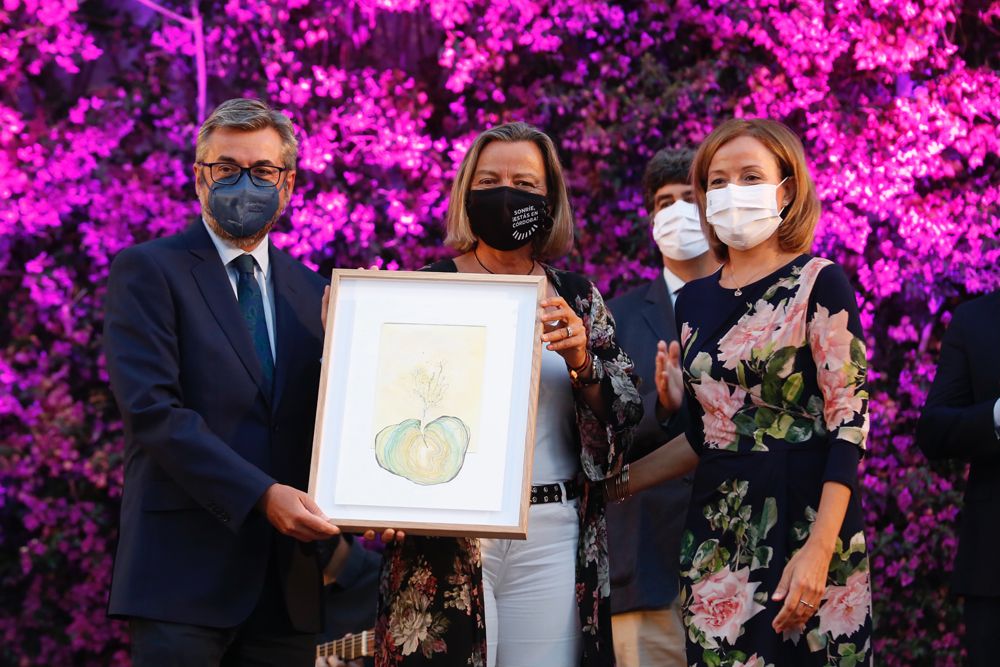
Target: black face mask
507,218
243,208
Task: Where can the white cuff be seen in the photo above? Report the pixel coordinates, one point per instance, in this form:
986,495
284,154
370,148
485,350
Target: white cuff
996,417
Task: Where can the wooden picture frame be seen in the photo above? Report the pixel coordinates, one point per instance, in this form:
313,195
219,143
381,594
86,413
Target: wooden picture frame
426,414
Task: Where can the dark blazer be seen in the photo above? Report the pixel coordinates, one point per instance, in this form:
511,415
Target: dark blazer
957,423
203,439
644,531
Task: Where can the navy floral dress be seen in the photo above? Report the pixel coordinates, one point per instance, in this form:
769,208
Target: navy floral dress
431,607
776,385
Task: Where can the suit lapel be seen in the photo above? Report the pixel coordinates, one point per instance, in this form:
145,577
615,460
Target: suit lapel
213,282
659,311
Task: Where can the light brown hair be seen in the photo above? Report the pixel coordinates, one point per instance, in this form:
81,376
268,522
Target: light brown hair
248,114
559,240
795,234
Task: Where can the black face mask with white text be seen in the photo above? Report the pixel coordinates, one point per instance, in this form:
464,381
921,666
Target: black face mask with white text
506,218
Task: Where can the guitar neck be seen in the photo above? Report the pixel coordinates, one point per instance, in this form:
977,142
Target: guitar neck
349,647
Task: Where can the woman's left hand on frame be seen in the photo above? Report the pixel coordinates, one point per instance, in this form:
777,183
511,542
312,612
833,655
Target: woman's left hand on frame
802,585
569,338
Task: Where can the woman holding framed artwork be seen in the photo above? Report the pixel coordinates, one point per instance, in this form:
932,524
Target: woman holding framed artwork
544,600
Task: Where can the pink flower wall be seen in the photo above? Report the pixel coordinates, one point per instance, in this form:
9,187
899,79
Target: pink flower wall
897,103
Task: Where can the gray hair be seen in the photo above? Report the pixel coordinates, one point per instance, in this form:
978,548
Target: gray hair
247,114
554,244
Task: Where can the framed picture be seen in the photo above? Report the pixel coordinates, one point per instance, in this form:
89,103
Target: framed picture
427,401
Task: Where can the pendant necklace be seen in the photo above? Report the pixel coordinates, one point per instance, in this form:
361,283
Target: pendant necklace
732,274
476,255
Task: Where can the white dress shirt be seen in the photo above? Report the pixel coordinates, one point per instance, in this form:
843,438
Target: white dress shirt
261,272
674,284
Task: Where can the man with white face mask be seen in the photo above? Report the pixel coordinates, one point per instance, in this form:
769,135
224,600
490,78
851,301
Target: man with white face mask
644,530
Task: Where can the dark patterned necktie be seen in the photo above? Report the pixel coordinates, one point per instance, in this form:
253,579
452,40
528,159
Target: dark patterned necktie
252,307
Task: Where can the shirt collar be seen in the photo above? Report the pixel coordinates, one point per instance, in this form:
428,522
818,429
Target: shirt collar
228,253
674,284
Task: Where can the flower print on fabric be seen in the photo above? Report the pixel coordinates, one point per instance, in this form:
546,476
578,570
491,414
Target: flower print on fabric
845,608
763,348
753,330
722,602
776,390
411,624
830,339
720,403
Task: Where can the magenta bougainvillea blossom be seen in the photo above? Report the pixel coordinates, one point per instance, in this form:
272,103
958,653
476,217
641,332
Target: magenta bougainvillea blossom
100,102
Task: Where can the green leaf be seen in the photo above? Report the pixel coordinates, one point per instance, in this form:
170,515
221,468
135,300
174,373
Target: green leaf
745,425
857,544
704,555
800,532
687,547
765,417
770,389
780,427
690,342
858,357
741,374
778,365
711,659
768,517
851,434
791,391
761,557
758,442
846,649
702,364
816,640
800,431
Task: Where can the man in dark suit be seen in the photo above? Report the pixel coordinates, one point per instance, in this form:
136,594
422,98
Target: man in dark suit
961,420
213,342
644,530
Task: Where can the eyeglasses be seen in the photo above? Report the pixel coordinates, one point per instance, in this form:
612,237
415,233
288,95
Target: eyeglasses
227,173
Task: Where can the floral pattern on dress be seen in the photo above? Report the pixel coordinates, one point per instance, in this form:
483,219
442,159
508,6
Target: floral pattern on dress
450,628
780,403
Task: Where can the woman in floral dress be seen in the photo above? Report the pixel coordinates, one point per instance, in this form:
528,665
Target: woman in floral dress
774,564
547,597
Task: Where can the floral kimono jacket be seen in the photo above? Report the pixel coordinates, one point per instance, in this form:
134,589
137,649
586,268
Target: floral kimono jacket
431,607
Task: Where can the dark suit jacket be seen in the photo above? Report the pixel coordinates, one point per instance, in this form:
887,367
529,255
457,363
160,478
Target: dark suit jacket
203,440
957,422
644,531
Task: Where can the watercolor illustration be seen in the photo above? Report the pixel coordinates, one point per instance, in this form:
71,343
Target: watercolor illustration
427,402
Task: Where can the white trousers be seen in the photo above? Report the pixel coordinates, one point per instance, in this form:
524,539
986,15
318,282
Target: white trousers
530,590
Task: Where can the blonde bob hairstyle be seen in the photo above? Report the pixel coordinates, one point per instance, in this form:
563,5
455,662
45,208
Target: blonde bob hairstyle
795,234
559,240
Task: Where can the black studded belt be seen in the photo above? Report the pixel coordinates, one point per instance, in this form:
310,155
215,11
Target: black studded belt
552,493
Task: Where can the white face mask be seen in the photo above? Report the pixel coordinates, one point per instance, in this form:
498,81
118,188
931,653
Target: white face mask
677,231
744,216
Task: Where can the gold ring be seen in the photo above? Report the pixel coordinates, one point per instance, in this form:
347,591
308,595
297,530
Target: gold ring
569,331
811,606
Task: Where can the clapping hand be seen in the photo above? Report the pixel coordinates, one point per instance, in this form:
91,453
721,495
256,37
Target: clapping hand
669,379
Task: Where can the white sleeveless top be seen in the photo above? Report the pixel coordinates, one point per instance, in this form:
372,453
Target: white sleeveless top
557,458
